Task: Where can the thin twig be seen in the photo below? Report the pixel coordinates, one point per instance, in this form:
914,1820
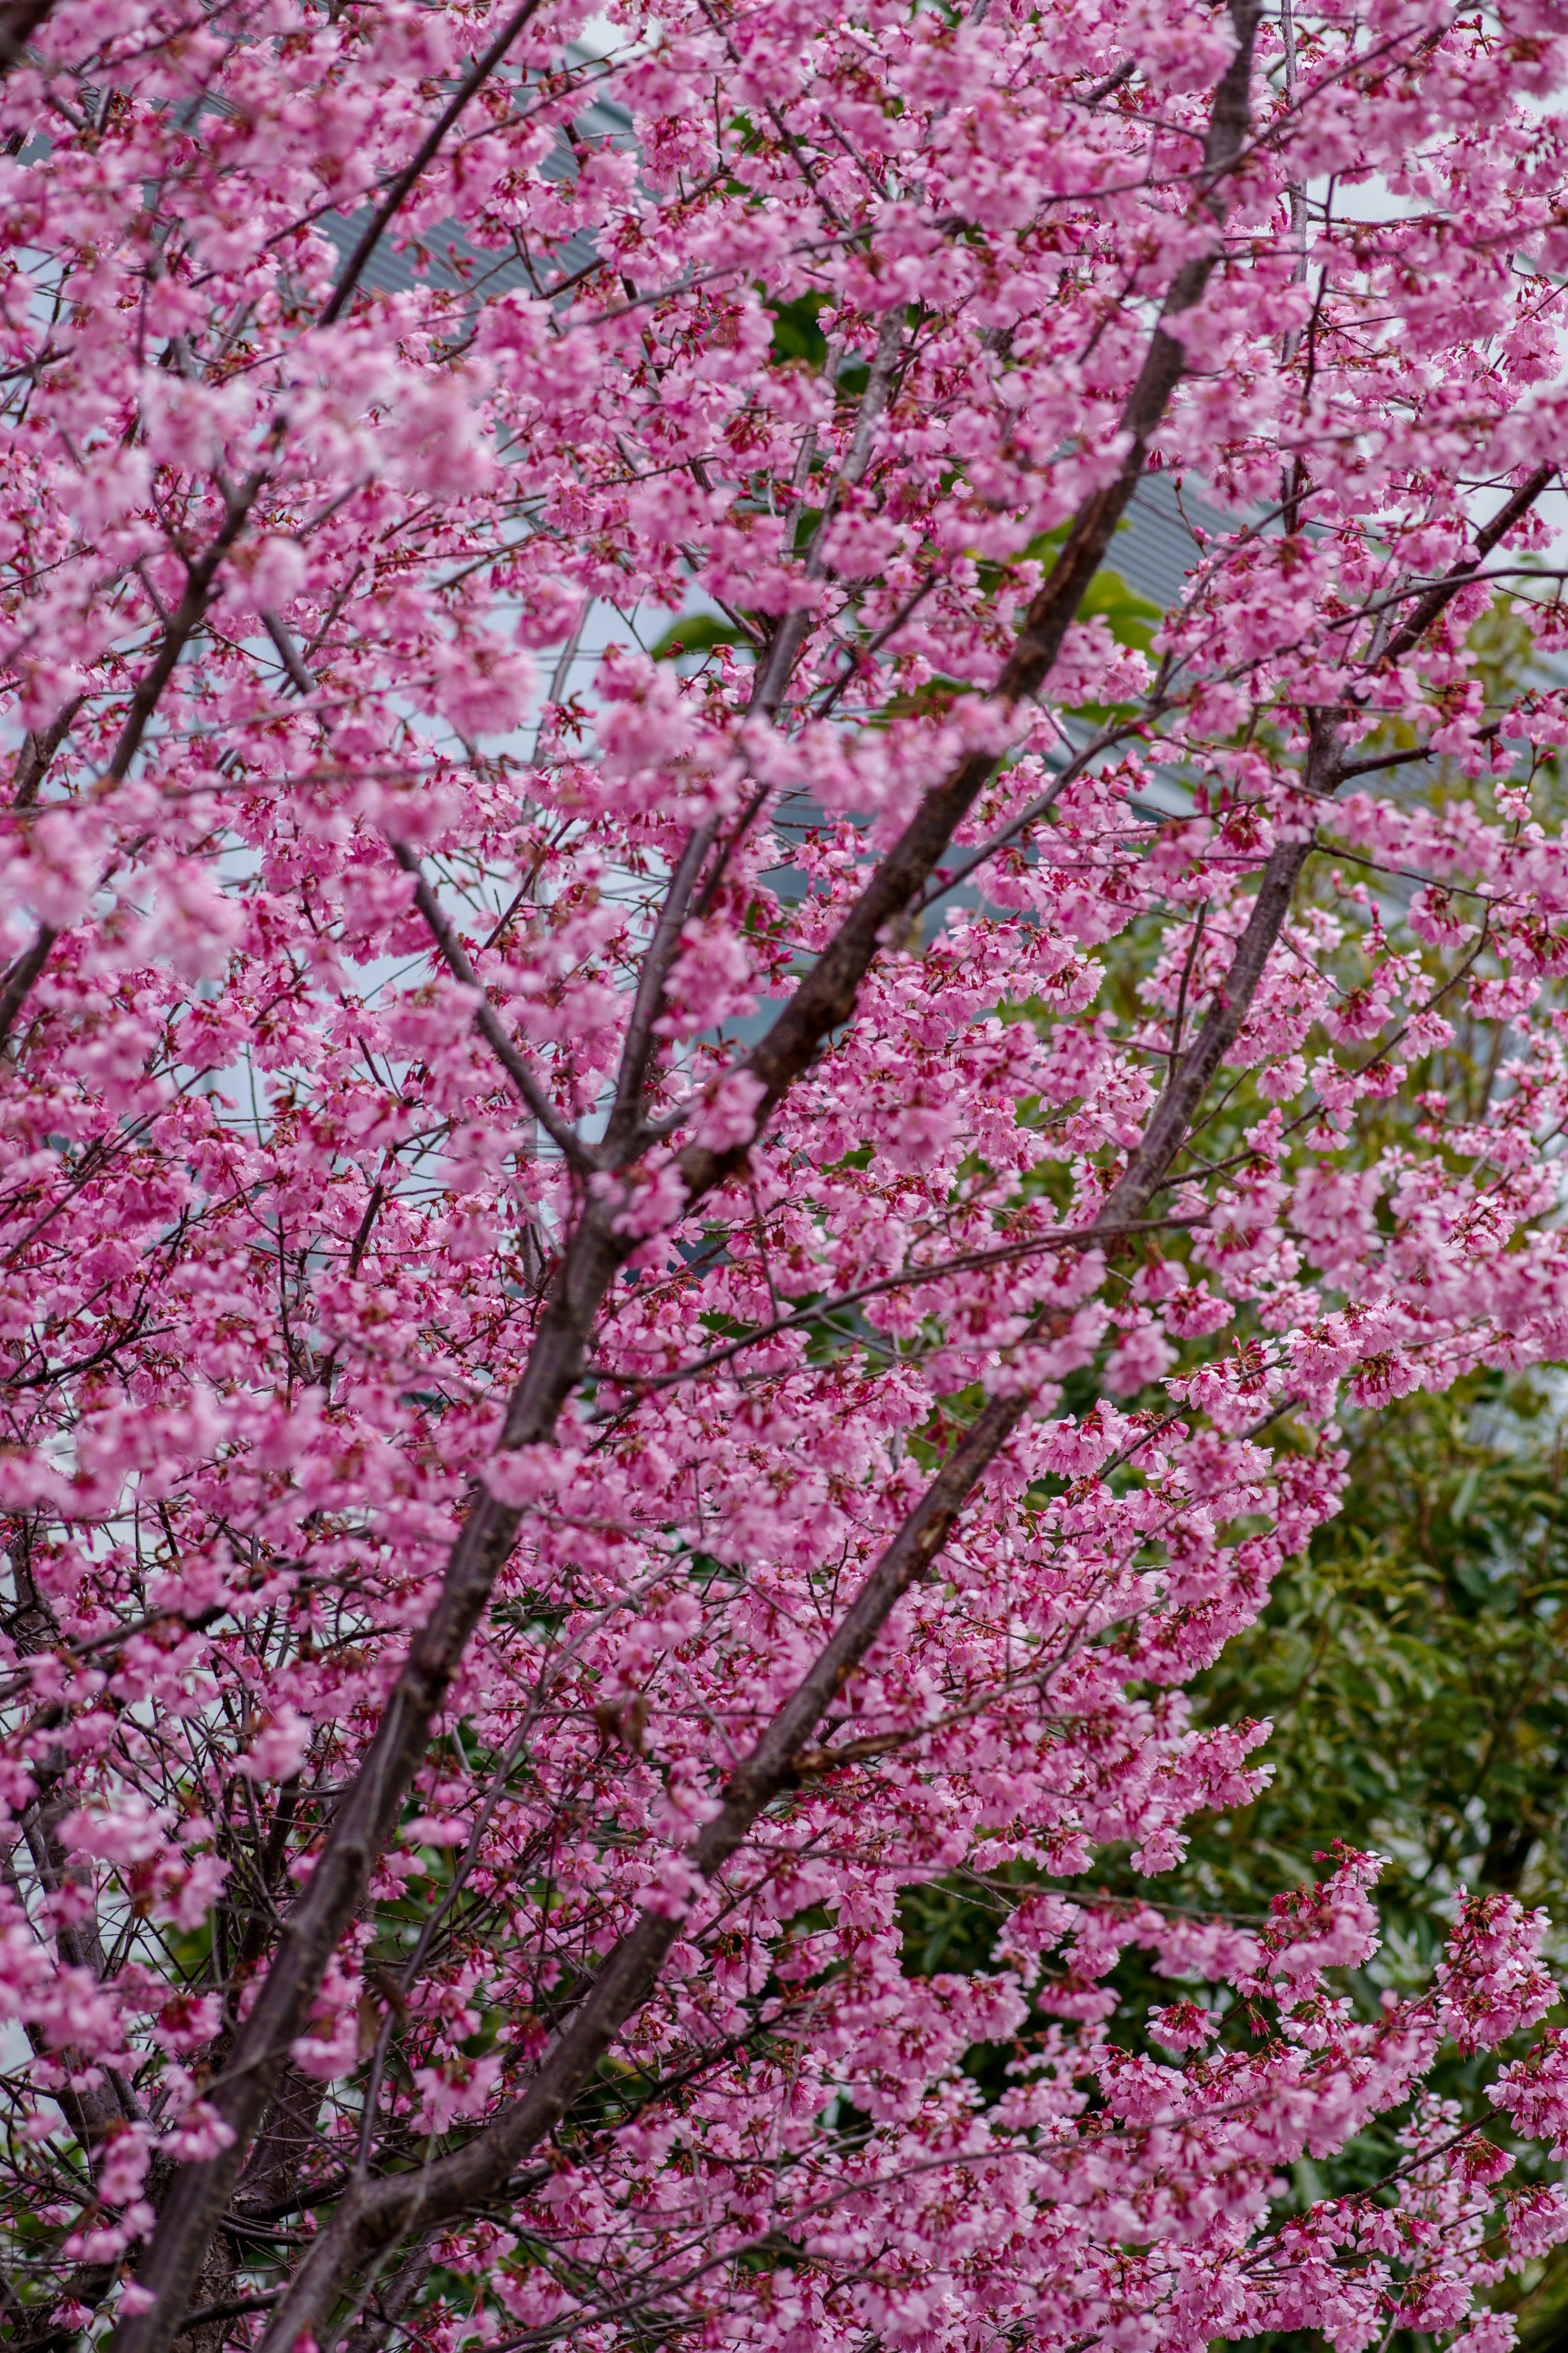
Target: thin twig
488,1022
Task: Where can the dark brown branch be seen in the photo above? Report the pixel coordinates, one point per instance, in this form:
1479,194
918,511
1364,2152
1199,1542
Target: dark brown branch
777,665
1177,1107
826,998
1427,608
39,748
488,1022
954,877
972,1262
22,974
1379,760
18,23
637,1053
362,1230
187,619
1123,72
389,2304
200,578
196,1622
232,2310
375,2213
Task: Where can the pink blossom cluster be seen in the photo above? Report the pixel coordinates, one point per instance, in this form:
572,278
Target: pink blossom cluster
659,1291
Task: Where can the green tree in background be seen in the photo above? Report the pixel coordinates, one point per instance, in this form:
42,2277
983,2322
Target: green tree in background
1414,1666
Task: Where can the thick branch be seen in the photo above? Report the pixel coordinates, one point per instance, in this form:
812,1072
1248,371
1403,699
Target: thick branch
18,23
22,974
185,621
826,998
773,672
39,748
374,2213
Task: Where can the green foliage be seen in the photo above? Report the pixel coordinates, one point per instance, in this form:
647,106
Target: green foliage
1131,619
696,633
796,336
1415,1670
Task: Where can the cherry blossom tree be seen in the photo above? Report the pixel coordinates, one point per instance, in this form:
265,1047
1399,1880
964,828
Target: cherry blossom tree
685,1153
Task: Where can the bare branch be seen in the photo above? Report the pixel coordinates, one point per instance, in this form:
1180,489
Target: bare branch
488,1022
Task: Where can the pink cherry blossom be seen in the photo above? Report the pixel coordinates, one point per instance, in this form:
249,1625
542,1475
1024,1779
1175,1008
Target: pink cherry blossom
698,1130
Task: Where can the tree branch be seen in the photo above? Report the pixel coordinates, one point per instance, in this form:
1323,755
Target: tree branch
1072,1237
774,670
187,619
488,1022
1422,614
39,748
22,974
826,998
18,23
374,2213
631,1079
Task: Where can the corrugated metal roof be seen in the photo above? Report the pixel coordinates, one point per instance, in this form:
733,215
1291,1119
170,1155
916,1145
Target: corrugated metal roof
390,271
1155,548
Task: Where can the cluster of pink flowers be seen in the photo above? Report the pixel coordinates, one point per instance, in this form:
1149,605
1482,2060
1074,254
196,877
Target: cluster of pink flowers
657,1291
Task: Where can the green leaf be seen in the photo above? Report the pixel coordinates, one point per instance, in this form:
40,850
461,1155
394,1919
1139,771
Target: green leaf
1133,620
796,336
695,633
